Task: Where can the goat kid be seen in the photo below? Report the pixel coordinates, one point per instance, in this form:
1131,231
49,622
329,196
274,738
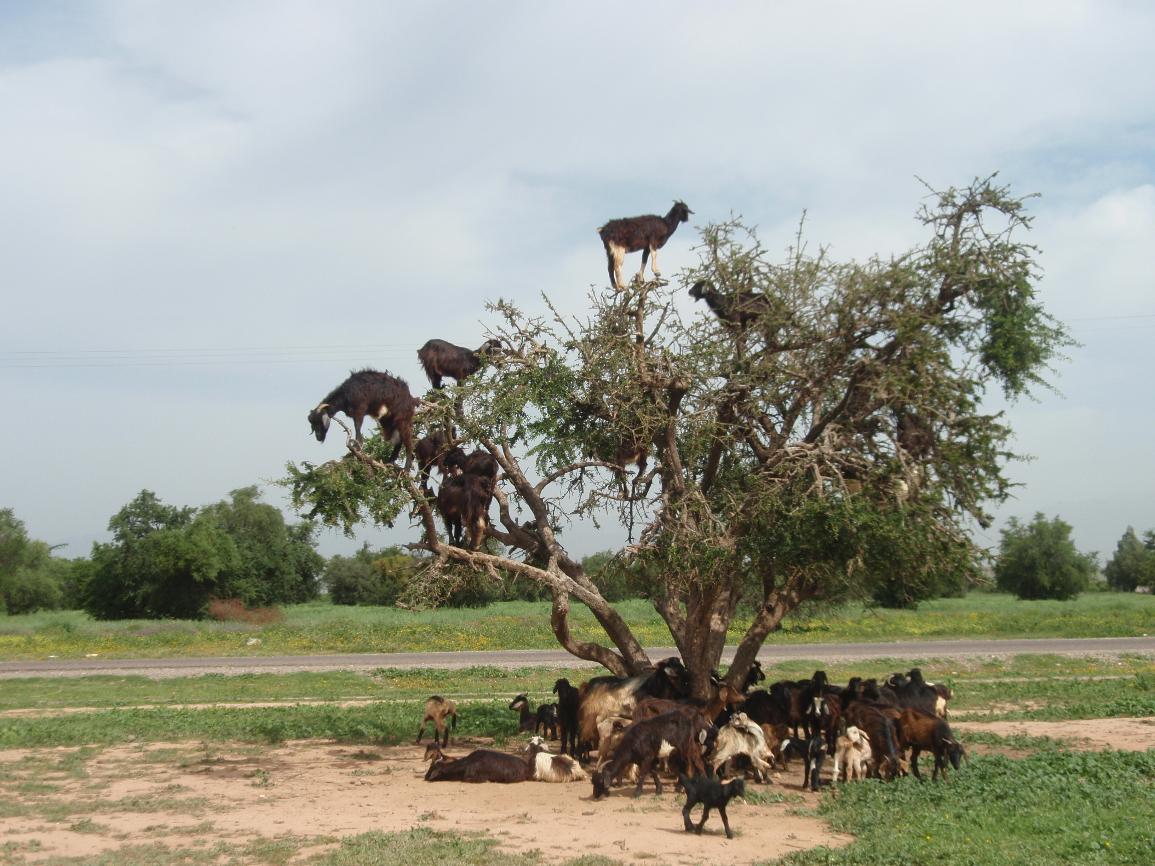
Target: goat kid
437,710
852,755
712,794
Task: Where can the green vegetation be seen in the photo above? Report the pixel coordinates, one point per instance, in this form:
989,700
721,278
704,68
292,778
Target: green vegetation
31,578
321,627
1133,563
1049,808
165,561
1039,560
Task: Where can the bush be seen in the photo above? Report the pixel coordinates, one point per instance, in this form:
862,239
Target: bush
234,610
1039,560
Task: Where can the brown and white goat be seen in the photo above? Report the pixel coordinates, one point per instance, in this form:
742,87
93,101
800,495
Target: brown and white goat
437,710
548,767
742,737
440,358
602,697
374,394
646,233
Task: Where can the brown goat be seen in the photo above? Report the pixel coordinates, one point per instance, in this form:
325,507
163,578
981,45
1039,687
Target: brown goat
641,744
437,710
377,395
440,358
919,730
464,505
646,233
602,697
434,450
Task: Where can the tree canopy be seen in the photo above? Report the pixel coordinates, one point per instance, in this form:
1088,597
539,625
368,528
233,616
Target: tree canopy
1133,563
167,561
829,440
30,577
1039,560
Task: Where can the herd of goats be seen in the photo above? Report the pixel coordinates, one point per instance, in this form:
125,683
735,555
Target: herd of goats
465,495
640,726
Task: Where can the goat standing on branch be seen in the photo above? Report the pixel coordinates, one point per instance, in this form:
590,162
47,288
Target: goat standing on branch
378,395
646,233
440,358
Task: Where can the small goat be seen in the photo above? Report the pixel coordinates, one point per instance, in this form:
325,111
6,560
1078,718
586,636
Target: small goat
377,395
526,718
815,756
440,358
712,794
545,723
548,767
464,505
646,233
739,309
851,755
568,702
437,710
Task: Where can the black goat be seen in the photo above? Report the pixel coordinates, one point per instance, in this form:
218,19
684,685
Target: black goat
738,309
913,691
464,505
440,358
525,720
546,721
480,463
568,702
435,450
646,233
378,395
482,765
712,794
815,756
642,742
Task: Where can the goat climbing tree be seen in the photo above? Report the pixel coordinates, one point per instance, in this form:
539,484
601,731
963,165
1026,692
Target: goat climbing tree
837,438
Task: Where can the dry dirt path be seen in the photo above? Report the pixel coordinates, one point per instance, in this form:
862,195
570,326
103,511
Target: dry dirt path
178,667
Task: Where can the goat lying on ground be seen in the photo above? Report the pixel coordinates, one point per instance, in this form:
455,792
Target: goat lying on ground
851,755
641,744
548,767
712,794
437,710
526,718
376,395
646,233
482,765
440,358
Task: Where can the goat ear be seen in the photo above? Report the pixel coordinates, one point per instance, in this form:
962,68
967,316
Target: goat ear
702,737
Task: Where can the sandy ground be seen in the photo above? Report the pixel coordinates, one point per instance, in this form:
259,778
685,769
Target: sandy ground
312,789
202,794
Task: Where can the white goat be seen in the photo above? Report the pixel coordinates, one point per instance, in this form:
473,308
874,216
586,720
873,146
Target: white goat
741,736
548,767
852,752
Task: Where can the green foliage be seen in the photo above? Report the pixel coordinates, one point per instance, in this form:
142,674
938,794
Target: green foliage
31,578
168,562
369,577
1050,808
1039,560
1133,563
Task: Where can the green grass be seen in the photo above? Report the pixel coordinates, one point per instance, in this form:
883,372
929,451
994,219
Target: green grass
320,627
1047,809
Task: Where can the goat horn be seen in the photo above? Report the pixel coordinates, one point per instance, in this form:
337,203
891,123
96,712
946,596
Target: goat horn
321,407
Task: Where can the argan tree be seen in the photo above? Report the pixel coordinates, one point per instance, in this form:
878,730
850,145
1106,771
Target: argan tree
824,432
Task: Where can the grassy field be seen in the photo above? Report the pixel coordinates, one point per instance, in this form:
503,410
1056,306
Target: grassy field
1048,806
321,627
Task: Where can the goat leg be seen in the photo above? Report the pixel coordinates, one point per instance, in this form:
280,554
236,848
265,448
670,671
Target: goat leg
725,821
686,815
705,815
914,753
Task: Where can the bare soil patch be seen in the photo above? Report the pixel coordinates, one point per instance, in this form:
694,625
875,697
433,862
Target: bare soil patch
310,789
1125,734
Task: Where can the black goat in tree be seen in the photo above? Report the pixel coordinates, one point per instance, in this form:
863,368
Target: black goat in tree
440,358
377,395
646,233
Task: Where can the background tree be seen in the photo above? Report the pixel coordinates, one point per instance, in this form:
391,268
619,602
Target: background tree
165,561
1133,563
368,576
1039,560
791,457
30,577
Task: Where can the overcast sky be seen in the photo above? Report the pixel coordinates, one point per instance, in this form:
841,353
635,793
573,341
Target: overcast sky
211,211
